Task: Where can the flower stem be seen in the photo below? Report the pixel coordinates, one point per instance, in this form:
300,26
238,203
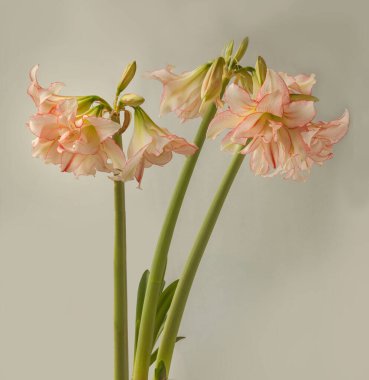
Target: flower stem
178,305
145,338
121,370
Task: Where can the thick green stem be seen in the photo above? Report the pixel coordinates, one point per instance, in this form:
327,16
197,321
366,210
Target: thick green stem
121,370
145,338
186,280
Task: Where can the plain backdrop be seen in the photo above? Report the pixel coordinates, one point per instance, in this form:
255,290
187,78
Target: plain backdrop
282,292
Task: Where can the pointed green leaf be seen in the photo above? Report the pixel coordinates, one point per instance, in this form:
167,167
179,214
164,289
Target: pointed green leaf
299,97
165,301
141,292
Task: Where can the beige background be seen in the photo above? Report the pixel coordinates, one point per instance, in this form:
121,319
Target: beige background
283,290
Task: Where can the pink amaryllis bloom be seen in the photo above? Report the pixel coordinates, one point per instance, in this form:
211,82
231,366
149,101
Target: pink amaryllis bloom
82,145
181,93
273,123
151,145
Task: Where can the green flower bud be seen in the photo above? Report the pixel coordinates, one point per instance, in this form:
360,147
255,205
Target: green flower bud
212,84
128,74
241,50
261,70
131,100
228,51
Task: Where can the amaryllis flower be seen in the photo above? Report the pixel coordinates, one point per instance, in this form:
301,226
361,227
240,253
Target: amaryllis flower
82,145
272,124
181,93
151,145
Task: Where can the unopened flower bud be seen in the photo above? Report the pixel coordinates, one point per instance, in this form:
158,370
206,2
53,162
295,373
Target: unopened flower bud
212,84
132,100
228,51
261,70
241,50
128,74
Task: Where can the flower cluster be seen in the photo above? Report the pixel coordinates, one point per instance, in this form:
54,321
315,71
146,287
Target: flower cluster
268,115
80,138
273,123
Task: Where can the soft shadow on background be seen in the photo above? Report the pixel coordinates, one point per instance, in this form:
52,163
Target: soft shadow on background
282,292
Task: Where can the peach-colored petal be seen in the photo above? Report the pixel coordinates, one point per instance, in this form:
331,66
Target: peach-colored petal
271,103
299,84
274,83
238,100
44,98
47,150
104,127
334,130
298,114
81,164
164,75
114,153
222,121
251,126
44,126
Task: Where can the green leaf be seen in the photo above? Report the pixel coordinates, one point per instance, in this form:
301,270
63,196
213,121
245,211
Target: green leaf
299,97
164,303
161,372
141,292
154,355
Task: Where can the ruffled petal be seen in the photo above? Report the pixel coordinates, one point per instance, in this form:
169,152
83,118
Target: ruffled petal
274,83
104,127
238,100
114,153
299,84
45,126
298,114
334,130
222,121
